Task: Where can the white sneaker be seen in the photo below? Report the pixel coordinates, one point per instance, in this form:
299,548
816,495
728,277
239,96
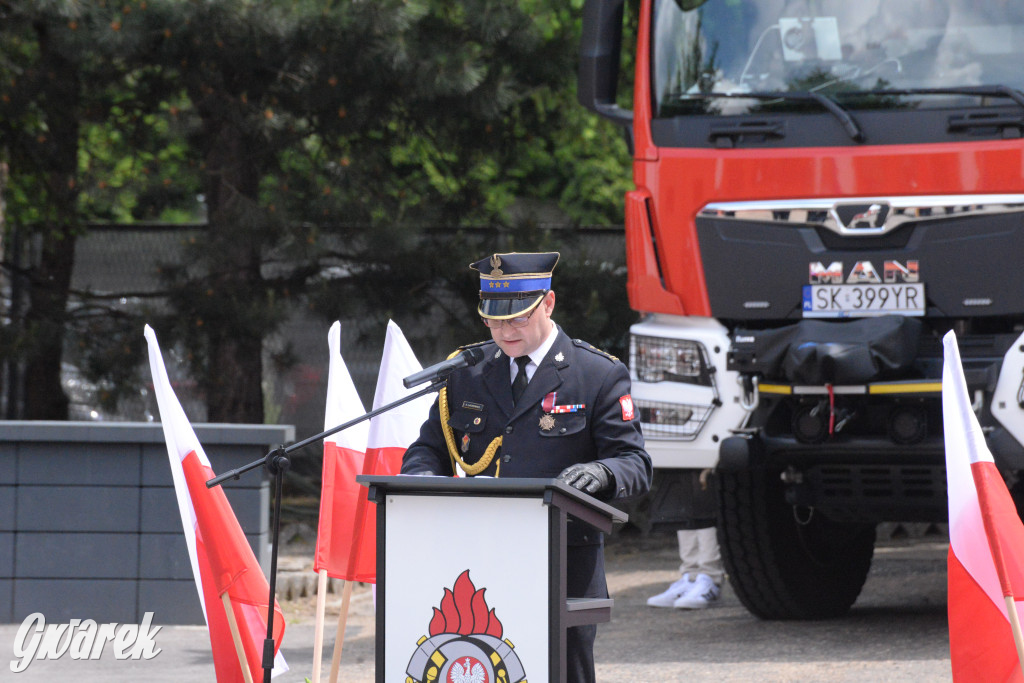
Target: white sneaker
701,593
674,592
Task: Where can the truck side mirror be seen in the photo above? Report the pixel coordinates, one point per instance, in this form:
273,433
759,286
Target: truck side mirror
600,49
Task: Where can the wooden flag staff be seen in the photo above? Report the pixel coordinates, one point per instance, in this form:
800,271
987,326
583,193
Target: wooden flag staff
318,633
236,637
339,635
1018,640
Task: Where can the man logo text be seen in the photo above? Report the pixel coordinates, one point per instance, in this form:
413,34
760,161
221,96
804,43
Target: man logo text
82,639
863,272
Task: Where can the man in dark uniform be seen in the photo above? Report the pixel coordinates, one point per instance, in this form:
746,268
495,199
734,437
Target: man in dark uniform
540,405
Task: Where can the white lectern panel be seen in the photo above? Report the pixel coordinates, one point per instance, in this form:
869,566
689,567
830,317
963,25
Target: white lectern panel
493,622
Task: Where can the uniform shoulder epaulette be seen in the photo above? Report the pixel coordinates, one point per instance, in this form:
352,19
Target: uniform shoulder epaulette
469,346
475,344
593,349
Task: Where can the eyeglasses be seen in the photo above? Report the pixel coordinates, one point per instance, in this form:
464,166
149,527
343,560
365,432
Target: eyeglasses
518,321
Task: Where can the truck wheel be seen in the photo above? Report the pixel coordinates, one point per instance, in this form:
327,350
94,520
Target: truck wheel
781,567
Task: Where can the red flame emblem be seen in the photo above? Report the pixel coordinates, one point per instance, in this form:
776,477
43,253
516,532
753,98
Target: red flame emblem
464,611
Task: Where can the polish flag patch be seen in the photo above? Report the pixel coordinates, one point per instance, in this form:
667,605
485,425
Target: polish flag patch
627,407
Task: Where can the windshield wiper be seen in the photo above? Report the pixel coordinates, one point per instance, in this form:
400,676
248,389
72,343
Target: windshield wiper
978,90
847,121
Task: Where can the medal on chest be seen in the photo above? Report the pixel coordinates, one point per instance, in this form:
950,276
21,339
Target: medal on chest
547,421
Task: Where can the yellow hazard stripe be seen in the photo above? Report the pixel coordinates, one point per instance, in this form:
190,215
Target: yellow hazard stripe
906,388
885,388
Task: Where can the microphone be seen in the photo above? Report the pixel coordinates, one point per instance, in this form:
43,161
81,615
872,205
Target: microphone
444,368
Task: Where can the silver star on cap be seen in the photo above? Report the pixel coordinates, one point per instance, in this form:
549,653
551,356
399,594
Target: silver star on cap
560,357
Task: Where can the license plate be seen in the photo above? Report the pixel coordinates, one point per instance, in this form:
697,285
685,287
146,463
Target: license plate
861,301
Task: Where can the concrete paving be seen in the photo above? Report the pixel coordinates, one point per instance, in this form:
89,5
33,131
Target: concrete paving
896,632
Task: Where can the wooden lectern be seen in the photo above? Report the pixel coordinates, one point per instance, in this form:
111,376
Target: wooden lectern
471,577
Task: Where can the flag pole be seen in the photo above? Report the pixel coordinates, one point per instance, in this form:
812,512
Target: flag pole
1018,639
236,637
339,636
318,632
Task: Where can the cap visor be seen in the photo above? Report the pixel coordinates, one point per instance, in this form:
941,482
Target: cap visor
507,308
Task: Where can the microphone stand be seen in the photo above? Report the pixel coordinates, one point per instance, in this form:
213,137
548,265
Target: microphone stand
276,462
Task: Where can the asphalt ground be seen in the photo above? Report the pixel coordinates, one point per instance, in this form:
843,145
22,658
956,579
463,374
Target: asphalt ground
896,631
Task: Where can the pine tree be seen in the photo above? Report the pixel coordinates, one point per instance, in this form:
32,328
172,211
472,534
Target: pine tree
335,135
326,140
58,70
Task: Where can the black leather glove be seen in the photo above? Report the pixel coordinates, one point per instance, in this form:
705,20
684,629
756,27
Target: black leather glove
589,477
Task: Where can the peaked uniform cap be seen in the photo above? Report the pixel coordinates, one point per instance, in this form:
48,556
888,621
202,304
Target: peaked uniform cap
513,284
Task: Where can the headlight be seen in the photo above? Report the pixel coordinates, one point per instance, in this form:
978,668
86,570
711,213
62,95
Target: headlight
656,359
671,420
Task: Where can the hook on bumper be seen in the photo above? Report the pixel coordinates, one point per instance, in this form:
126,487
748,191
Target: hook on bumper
750,397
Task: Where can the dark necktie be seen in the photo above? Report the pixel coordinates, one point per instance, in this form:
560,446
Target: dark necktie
520,382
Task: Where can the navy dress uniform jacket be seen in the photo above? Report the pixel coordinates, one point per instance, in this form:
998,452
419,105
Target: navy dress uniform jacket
481,408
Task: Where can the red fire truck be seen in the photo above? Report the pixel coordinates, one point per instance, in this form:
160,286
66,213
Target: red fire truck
823,189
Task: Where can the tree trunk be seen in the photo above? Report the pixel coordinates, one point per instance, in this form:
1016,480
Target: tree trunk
234,379
44,324
50,279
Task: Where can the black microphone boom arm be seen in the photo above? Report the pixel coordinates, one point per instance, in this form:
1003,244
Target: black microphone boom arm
468,357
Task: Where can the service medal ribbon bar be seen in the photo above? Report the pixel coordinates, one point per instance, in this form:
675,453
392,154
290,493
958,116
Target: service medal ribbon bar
548,405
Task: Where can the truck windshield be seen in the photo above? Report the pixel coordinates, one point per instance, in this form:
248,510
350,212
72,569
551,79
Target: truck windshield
860,54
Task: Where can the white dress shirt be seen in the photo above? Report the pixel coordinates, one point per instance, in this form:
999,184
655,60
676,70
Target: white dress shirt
536,357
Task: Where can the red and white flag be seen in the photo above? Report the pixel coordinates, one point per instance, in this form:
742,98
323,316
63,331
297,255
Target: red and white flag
346,536
393,431
222,560
986,543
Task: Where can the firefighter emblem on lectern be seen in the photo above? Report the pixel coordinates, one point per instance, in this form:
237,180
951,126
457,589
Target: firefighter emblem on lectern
465,644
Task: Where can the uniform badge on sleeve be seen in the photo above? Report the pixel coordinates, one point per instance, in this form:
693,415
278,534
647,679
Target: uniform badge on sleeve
627,407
